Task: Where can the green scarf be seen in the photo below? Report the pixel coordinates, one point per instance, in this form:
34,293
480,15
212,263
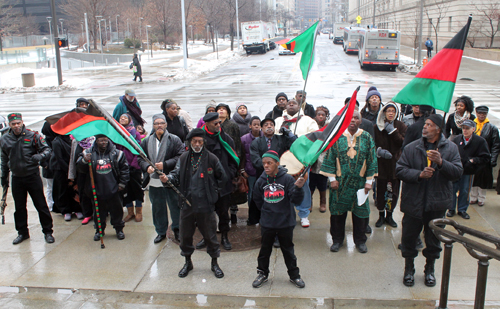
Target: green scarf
224,144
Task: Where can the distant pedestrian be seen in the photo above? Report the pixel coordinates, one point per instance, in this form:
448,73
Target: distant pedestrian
430,46
136,67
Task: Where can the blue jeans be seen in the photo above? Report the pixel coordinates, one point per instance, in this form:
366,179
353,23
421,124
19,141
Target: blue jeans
138,203
160,197
251,183
463,185
303,208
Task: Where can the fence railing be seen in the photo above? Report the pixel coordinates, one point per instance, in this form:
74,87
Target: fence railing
23,56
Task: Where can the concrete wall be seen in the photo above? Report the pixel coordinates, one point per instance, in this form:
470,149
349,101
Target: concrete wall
99,58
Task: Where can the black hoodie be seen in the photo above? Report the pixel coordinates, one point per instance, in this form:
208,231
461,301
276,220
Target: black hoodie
275,199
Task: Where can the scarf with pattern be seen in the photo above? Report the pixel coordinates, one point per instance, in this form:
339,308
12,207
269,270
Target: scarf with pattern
224,144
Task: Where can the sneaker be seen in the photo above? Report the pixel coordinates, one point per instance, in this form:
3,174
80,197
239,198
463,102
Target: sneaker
86,220
79,215
67,217
260,280
464,215
304,222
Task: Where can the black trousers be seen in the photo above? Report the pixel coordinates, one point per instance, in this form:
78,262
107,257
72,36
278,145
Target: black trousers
63,194
285,237
253,213
114,207
222,210
207,226
337,228
381,191
85,201
411,230
33,185
429,52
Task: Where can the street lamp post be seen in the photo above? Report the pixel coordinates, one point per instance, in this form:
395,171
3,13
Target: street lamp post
128,28
100,34
110,31
140,29
61,20
117,31
87,33
238,25
49,19
106,34
147,39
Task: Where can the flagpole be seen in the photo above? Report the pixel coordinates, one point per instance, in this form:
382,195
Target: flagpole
307,76
134,145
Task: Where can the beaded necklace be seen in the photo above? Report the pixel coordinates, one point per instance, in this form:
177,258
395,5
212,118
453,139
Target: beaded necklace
274,179
195,165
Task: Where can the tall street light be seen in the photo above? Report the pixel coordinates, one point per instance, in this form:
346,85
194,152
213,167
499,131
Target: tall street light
147,39
117,31
128,28
140,29
110,30
61,20
238,24
100,34
49,19
87,33
184,41
106,33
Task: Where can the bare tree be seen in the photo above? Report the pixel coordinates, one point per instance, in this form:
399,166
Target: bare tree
474,32
411,29
438,9
164,17
8,21
490,18
285,17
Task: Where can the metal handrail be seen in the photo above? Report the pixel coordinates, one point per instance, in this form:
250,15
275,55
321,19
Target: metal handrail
481,252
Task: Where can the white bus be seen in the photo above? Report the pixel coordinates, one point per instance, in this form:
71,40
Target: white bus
351,38
379,48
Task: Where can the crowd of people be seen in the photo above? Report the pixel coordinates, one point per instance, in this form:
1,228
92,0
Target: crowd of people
198,175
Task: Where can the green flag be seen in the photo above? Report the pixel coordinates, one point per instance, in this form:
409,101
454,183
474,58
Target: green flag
304,43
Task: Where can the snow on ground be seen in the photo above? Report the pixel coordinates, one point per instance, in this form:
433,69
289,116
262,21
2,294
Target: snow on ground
482,60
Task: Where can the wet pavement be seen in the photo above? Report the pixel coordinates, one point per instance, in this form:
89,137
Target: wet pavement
75,272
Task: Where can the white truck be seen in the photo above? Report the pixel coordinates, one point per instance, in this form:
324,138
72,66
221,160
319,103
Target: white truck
338,32
256,35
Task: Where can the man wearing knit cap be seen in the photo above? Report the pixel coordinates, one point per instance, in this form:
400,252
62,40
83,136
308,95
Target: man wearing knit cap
222,146
483,179
22,151
281,100
307,109
163,149
475,156
197,173
372,107
428,167
275,193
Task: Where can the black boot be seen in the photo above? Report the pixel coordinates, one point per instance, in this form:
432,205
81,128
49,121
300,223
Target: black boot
188,266
216,269
429,278
234,219
381,219
389,220
409,279
224,240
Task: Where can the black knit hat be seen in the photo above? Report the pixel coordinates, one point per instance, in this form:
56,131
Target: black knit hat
281,94
223,105
437,119
197,132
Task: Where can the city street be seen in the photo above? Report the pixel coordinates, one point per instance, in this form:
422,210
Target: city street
135,273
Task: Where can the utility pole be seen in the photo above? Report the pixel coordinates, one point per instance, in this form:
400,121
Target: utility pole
110,31
87,33
184,40
420,32
117,31
238,25
56,42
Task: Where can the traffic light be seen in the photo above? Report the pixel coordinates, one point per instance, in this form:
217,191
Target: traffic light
63,42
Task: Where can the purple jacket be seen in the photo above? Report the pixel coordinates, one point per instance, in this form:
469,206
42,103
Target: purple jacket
200,123
131,158
246,140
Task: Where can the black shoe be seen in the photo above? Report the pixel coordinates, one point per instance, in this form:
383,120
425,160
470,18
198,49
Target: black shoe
389,220
120,235
429,278
224,240
97,236
450,213
276,243
159,238
362,248
408,278
464,215
298,283
260,280
202,244
368,230
234,219
176,235
20,238
336,247
188,266
49,238
217,271
381,219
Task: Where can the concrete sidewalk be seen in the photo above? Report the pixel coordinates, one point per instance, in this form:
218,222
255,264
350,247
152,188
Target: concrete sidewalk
135,273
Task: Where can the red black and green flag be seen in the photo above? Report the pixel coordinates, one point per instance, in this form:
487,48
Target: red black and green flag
307,148
435,83
304,43
83,123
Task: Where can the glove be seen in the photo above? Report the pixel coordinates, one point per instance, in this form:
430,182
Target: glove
493,163
4,181
286,132
389,127
37,158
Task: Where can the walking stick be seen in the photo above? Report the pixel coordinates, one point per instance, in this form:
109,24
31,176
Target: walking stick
4,202
96,203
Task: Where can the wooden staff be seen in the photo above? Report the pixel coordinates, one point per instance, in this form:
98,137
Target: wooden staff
94,193
4,202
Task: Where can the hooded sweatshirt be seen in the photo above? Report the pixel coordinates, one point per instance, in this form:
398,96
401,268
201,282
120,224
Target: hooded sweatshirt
275,197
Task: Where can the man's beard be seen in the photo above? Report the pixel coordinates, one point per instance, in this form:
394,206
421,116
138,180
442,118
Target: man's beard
194,149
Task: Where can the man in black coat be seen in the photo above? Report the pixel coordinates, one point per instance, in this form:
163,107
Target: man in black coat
483,179
22,151
428,167
200,176
222,146
475,155
270,141
281,100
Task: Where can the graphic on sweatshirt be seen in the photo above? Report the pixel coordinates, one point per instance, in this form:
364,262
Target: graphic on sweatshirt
103,166
274,193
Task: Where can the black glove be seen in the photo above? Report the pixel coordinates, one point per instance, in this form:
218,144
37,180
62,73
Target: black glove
37,158
284,131
389,127
4,181
493,163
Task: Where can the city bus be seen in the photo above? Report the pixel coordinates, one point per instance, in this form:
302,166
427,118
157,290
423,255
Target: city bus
351,38
379,48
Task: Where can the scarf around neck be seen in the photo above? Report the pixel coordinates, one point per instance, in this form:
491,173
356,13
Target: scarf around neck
459,120
480,125
224,144
157,155
134,110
